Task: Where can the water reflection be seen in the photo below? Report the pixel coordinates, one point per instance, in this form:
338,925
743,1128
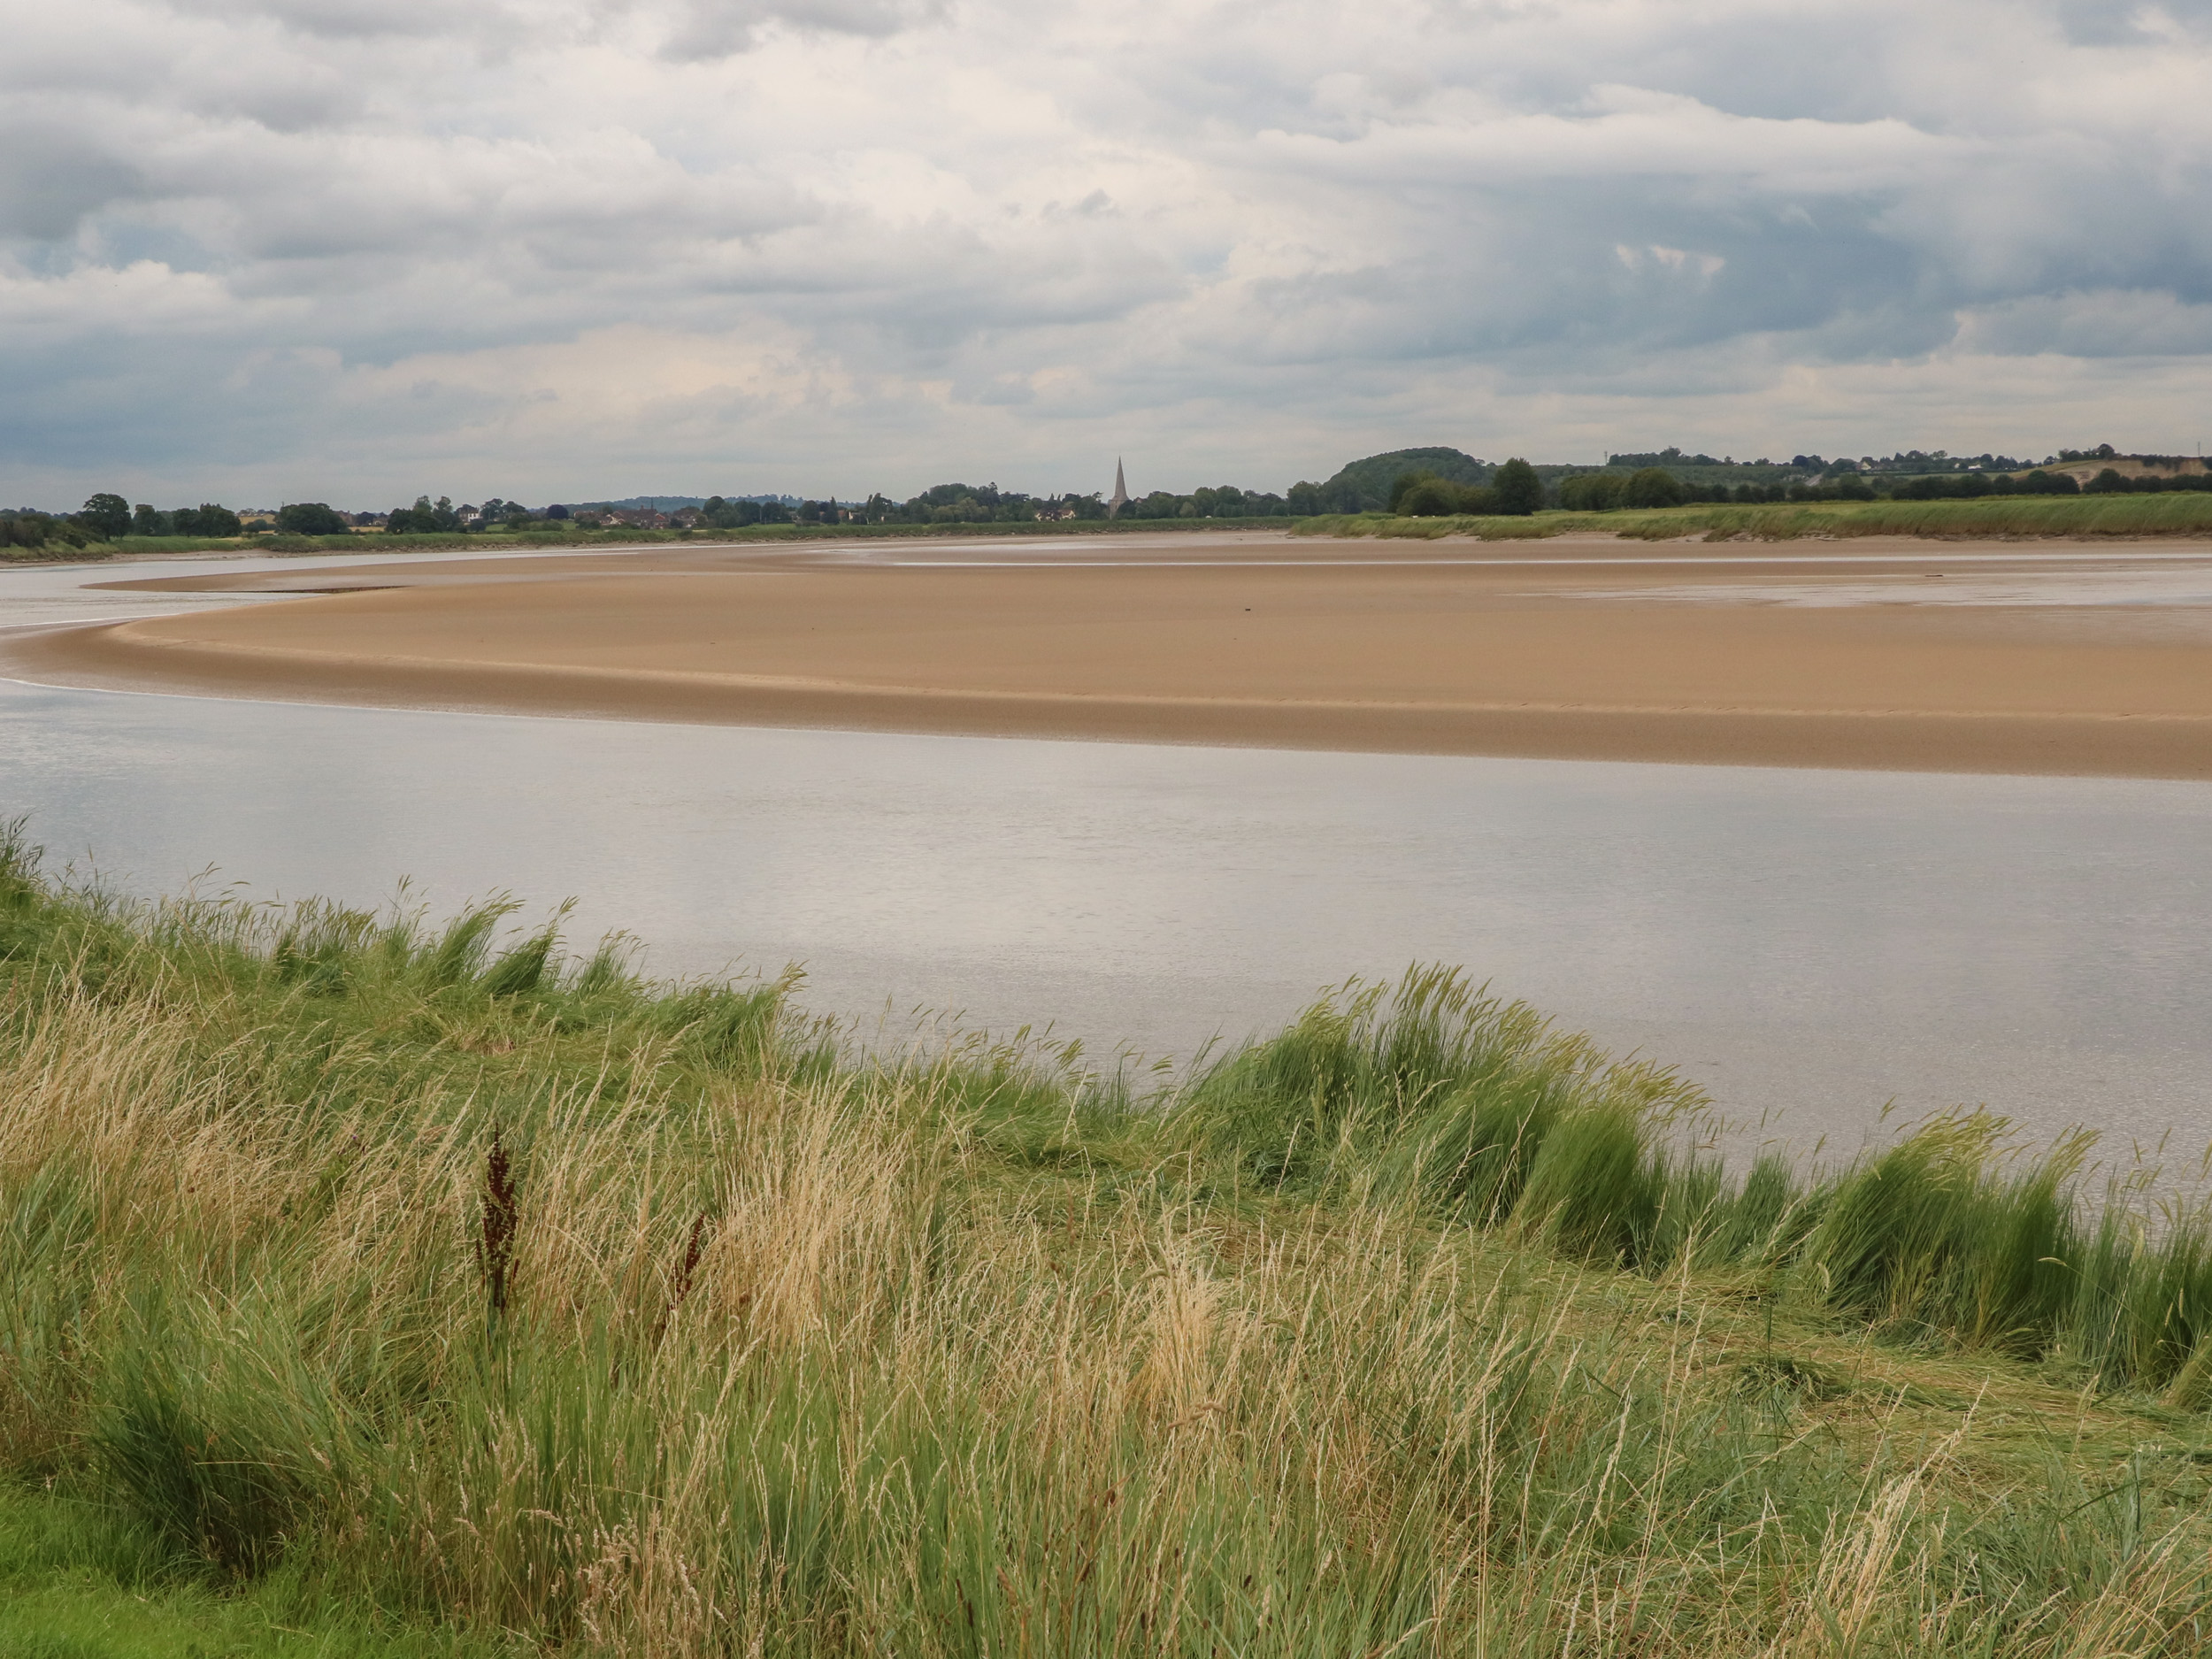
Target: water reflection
1814,941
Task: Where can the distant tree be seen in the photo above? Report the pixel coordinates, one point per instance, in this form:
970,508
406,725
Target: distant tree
146,521
1597,492
312,518
206,519
1518,490
1365,485
2107,482
1653,487
1404,484
423,519
1305,498
556,512
107,516
1428,498
26,529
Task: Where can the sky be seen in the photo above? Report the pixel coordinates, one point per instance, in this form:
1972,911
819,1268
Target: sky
358,251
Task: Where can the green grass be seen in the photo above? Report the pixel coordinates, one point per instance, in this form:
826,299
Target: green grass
2004,518
2188,514
1420,1327
77,1583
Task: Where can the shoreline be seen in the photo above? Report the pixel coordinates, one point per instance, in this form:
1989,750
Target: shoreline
1650,658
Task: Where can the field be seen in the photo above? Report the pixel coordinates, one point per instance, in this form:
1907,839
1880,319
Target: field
379,1288
2001,516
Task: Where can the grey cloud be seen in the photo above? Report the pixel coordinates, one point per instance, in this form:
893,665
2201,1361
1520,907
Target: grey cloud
53,178
395,232
369,20
703,30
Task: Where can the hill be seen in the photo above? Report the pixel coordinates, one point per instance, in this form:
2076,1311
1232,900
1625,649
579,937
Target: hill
1364,485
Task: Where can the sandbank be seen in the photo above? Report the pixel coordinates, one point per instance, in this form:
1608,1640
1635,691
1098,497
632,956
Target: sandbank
1842,654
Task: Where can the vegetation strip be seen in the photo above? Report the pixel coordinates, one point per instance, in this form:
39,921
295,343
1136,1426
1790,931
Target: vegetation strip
423,1288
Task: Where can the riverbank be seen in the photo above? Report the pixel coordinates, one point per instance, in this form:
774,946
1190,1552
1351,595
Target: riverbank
417,1283
1583,646
1983,518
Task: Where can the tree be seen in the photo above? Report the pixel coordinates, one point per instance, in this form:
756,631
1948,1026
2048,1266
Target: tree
1597,492
1519,491
422,518
146,521
1653,487
207,520
1404,485
1429,498
107,516
312,518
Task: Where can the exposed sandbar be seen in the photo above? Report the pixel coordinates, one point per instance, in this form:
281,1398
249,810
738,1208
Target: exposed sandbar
1586,649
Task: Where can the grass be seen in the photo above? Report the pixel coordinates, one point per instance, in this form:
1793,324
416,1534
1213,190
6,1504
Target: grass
422,1286
493,542
1991,517
76,1584
1998,517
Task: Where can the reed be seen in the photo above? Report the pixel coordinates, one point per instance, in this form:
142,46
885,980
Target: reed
427,1279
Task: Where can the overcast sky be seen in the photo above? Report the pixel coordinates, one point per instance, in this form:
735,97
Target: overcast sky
256,250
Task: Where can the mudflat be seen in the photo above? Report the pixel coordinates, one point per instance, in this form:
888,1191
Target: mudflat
2034,657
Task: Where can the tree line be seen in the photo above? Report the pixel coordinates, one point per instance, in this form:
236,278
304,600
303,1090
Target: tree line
1513,491
1421,483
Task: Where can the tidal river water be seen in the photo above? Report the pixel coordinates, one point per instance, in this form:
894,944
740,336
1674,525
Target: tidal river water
1808,946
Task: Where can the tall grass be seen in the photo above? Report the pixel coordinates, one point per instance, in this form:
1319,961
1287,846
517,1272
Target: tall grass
1414,1329
2011,517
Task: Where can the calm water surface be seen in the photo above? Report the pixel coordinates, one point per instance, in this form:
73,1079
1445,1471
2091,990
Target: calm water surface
1812,943
1809,945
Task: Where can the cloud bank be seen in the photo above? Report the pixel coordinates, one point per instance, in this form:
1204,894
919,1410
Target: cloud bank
357,249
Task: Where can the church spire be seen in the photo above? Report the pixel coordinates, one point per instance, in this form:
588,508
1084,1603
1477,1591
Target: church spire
1121,492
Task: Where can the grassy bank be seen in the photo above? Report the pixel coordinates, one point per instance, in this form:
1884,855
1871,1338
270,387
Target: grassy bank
2007,517
2004,518
494,542
421,1290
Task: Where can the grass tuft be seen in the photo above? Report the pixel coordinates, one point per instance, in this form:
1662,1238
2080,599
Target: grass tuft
1420,1326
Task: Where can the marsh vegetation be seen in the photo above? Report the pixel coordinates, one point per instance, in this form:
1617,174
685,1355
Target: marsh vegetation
424,1289
1992,517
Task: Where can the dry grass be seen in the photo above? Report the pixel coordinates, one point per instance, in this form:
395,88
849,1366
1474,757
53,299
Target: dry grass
956,1355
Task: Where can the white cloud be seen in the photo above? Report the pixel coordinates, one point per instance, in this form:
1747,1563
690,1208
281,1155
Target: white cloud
575,246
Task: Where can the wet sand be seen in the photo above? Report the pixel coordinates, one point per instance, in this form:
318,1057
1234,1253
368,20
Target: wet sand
1823,654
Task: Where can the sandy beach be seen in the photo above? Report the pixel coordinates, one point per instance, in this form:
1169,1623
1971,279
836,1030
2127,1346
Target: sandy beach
2038,658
